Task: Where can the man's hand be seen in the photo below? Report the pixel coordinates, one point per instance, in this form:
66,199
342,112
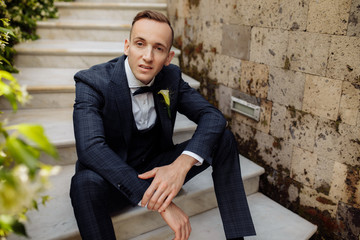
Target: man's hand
178,221
167,182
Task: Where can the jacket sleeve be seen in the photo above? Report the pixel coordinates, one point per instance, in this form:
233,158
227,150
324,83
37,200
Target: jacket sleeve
210,121
93,151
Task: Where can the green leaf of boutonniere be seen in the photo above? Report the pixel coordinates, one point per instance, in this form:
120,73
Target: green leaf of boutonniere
166,96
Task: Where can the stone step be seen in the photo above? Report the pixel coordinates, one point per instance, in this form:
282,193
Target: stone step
106,10
58,127
54,87
96,30
56,220
69,54
272,222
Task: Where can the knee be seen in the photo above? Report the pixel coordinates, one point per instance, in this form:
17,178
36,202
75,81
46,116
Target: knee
85,183
227,138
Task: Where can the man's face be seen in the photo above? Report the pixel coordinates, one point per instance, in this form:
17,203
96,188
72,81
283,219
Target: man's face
148,49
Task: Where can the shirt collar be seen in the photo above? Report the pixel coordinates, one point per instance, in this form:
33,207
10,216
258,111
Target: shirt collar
132,81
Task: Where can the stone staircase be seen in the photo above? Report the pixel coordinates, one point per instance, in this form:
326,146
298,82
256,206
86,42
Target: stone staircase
91,32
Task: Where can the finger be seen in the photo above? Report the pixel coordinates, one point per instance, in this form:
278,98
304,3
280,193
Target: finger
188,230
148,174
160,201
154,199
178,234
167,202
148,194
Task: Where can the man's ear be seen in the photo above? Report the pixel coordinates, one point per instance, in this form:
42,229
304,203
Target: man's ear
169,58
126,47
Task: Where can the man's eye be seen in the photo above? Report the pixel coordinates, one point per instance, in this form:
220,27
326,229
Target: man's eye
160,49
139,44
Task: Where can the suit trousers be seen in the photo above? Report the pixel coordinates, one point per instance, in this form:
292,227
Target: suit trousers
94,199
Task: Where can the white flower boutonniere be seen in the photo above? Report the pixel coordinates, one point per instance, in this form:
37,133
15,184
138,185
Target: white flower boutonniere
166,96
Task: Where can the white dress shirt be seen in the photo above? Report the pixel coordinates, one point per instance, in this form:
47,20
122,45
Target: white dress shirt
143,107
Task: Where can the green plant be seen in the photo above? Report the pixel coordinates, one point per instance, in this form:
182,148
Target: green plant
22,176
22,16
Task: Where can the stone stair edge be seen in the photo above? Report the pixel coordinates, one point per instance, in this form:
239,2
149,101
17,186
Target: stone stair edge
84,24
112,5
264,211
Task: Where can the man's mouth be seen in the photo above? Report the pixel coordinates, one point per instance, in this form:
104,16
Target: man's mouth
145,67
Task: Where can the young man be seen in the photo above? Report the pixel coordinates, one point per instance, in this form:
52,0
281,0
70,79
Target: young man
123,130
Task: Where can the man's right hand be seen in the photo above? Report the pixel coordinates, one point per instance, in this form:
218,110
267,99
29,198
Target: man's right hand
178,221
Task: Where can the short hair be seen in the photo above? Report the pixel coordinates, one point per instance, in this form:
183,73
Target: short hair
152,15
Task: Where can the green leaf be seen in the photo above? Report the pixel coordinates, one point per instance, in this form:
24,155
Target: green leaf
35,205
19,228
45,199
6,30
7,75
23,153
35,133
8,92
5,60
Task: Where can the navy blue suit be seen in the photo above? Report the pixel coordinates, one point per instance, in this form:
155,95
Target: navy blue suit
103,125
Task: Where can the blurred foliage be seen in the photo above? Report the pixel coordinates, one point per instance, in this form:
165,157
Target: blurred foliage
19,18
23,177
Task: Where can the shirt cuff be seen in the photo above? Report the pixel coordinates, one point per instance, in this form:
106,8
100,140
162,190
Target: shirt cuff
194,155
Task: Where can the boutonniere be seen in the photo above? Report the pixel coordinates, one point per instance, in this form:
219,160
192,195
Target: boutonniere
166,95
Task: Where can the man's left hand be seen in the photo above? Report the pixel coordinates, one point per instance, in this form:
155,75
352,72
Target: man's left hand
167,183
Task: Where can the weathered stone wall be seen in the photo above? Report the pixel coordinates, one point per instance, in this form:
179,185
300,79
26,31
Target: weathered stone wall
300,61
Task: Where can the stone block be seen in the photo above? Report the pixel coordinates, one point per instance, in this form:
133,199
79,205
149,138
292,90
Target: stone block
275,152
271,14
309,197
277,124
227,70
265,117
350,144
178,27
286,87
254,79
354,19
328,16
308,52
348,218
236,41
224,98
350,103
268,46
303,166
300,129
344,60
292,15
178,9
328,140
211,37
261,13
204,10
323,174
322,96
338,190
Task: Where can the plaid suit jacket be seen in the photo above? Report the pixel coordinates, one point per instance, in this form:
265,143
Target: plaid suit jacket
103,121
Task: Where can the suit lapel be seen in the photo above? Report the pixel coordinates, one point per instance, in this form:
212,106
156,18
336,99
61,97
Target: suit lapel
120,90
161,108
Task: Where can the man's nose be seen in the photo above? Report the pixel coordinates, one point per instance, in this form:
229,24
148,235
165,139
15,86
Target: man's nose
148,54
